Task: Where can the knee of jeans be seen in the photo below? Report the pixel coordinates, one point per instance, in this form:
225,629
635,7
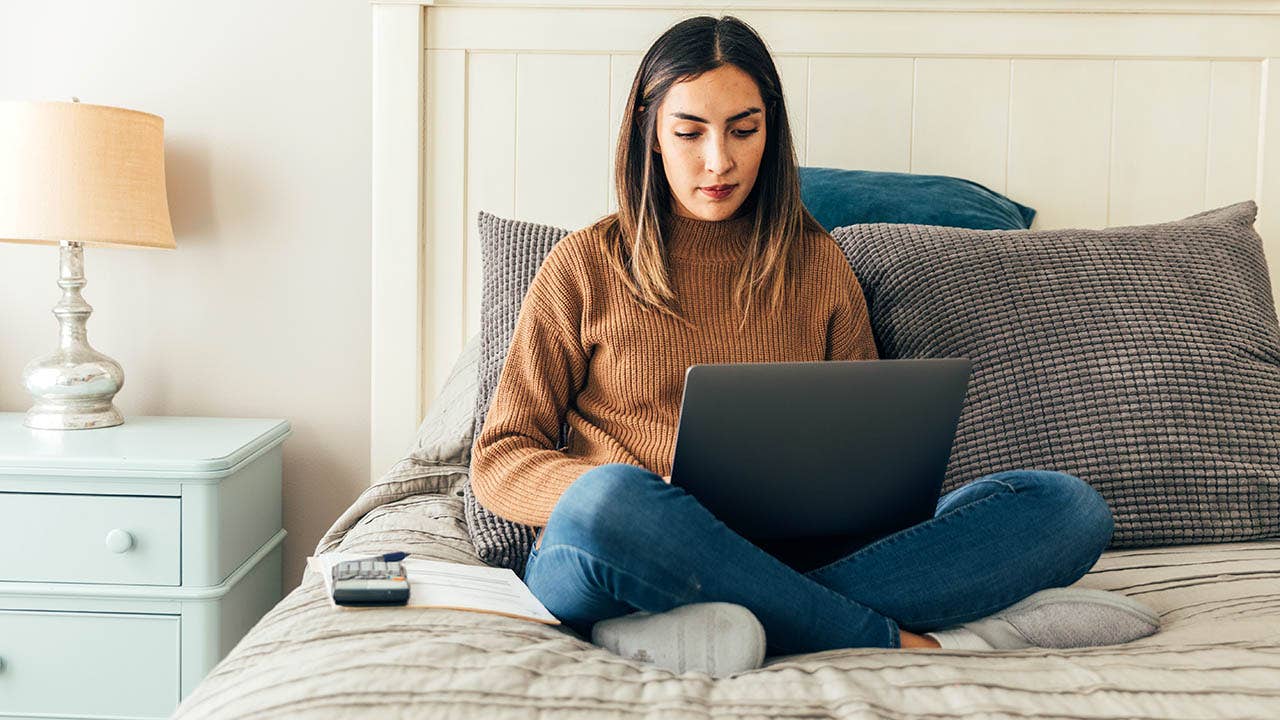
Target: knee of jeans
600,497
1083,516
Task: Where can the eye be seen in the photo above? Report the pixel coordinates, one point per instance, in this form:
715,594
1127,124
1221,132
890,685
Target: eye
737,132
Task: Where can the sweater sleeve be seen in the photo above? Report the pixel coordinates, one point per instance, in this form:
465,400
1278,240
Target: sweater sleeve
516,472
849,335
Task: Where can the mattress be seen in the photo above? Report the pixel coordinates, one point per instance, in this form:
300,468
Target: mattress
1217,655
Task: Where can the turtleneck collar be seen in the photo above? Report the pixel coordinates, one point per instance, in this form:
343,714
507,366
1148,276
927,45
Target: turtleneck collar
696,239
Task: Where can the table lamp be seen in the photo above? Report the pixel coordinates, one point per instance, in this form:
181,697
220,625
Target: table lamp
76,174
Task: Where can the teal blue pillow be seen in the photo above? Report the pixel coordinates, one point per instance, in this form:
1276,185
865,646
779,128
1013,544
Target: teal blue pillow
838,197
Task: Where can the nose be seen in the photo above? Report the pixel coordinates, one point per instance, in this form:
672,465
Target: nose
719,160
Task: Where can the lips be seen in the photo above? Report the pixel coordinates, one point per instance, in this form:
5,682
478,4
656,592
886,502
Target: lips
718,192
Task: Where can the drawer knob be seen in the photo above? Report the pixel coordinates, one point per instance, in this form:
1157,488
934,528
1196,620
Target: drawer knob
119,541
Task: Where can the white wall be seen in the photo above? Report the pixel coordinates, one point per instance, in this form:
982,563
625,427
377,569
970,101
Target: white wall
263,309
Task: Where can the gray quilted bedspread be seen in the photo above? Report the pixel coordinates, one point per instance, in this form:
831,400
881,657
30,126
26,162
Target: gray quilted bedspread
1217,656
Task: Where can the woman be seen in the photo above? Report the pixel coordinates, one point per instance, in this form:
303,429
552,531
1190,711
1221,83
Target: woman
712,257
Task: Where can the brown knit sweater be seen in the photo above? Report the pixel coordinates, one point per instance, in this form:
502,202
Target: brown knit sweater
585,351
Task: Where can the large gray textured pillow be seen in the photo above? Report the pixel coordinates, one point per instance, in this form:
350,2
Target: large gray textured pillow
510,253
1142,359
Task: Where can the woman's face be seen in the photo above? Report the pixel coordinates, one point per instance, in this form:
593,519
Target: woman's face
711,132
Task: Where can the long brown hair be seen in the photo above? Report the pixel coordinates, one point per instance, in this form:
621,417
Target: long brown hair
633,242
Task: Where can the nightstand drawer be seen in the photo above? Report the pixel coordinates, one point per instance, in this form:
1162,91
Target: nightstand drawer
90,538
88,664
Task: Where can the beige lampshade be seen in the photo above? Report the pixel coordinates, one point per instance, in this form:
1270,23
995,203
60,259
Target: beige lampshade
88,173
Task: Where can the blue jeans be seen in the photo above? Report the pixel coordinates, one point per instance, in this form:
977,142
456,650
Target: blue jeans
620,539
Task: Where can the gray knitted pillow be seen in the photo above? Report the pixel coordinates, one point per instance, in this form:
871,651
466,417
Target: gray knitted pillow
510,253
1143,359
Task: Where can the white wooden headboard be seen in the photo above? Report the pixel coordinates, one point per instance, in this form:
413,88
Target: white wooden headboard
1110,112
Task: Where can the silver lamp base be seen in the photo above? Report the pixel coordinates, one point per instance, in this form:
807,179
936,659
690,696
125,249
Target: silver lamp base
74,385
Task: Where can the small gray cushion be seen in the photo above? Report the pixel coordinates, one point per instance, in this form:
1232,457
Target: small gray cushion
510,253
1143,359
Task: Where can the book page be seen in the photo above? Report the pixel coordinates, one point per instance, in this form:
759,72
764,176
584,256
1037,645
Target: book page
437,584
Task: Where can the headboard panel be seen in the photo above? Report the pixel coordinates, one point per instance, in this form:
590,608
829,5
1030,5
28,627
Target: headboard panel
1095,114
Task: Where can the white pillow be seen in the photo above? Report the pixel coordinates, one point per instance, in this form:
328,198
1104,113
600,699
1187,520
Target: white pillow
447,431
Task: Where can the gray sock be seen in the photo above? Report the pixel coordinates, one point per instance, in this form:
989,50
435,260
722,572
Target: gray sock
717,638
1057,618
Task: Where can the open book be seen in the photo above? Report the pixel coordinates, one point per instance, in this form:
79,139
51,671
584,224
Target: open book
437,584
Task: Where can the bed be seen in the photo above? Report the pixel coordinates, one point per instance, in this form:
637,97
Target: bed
1096,114
1217,655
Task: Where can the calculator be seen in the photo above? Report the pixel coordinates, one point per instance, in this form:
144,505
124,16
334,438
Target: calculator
372,581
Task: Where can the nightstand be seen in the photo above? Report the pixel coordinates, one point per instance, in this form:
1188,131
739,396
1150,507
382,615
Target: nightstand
132,558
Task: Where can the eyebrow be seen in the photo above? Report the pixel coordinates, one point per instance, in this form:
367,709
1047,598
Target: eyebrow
695,118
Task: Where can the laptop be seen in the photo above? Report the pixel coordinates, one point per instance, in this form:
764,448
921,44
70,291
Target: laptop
813,460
